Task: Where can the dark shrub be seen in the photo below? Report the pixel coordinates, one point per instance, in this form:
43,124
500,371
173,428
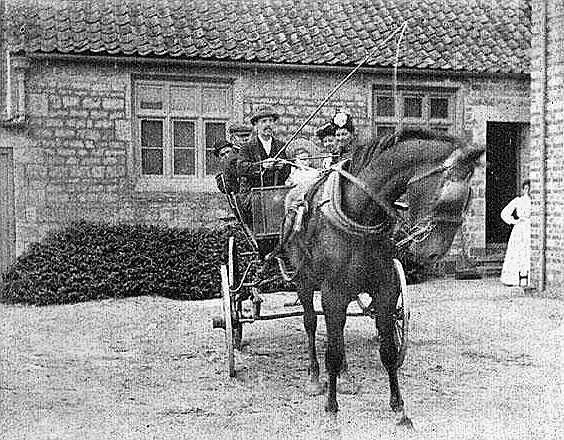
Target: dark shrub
89,261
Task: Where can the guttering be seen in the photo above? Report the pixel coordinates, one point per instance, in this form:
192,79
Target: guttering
542,136
250,65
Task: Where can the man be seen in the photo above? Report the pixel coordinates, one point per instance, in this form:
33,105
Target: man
239,135
260,165
258,161
227,180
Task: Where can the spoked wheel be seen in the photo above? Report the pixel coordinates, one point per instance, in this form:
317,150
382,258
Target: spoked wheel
228,316
234,278
401,316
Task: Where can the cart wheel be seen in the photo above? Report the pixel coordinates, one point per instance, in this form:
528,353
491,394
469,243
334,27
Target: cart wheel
401,317
228,314
234,277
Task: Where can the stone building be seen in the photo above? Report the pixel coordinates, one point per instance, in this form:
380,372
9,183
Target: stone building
547,144
112,107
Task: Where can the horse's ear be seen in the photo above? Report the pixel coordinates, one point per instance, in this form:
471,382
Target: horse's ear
463,161
469,156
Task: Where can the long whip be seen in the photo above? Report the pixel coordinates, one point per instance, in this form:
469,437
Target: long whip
338,86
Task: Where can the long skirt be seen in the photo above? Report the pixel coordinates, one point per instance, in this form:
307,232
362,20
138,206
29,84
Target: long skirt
517,261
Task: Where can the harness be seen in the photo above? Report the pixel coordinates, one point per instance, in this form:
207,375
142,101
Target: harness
330,206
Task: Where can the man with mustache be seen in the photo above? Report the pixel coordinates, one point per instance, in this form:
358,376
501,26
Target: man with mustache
259,160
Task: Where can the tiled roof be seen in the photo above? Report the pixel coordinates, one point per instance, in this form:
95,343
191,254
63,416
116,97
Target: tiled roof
451,35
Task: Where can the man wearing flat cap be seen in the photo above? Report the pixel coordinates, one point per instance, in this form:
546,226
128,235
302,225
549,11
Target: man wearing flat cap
227,180
239,135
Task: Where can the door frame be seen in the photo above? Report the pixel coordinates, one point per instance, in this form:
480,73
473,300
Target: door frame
7,207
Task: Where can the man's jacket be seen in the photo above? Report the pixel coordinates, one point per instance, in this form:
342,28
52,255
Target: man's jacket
227,180
250,170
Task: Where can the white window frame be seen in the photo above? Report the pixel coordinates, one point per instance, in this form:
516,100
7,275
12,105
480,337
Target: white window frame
200,181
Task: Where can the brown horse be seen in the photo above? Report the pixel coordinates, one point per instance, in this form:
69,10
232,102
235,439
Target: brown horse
345,249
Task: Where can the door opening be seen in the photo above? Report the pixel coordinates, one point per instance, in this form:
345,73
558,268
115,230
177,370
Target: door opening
503,146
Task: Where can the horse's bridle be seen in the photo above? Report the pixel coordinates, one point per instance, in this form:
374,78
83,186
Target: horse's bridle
422,229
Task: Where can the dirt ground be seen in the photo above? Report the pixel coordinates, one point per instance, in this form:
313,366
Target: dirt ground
484,362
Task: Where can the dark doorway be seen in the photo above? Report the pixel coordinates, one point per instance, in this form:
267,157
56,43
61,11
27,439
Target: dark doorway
503,143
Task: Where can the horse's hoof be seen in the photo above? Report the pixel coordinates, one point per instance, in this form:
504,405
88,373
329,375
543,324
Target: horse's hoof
404,420
332,407
317,388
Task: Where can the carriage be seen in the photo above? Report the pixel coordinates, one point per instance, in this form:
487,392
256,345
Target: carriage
246,275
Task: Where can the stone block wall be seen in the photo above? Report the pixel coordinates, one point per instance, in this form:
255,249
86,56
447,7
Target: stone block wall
80,161
553,140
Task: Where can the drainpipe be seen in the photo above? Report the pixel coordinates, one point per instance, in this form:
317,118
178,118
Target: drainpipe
542,135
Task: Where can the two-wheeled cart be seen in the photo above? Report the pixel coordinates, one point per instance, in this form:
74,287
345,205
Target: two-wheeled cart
243,276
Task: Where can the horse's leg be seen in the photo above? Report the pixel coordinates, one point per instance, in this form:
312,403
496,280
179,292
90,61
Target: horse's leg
305,294
347,383
388,350
335,311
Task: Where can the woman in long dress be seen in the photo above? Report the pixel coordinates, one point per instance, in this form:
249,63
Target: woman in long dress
517,263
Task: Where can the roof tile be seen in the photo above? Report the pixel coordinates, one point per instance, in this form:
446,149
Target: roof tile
441,34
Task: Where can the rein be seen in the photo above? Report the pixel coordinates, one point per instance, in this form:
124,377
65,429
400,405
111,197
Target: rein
414,233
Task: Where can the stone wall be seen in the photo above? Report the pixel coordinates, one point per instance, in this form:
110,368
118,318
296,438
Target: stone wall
553,141
80,162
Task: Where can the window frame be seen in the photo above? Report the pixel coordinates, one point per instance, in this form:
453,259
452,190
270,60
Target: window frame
200,181
450,123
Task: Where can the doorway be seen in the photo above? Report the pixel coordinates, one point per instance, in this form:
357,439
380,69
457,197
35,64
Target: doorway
503,148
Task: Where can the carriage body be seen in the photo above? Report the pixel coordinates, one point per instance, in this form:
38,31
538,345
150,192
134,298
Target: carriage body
268,210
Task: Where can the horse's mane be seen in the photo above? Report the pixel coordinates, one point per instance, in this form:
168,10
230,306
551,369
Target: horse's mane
364,154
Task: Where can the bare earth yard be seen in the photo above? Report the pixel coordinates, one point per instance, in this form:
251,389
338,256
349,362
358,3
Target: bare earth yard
484,362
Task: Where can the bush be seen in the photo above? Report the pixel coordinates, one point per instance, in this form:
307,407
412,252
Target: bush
89,261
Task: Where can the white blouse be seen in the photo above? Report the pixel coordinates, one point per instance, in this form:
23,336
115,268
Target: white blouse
523,206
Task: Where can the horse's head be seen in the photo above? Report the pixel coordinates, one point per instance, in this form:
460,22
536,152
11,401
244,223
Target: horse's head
438,199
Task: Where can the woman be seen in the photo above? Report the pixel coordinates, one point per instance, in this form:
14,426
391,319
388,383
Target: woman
517,263
344,135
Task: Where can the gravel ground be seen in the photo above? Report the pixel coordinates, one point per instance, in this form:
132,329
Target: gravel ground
484,362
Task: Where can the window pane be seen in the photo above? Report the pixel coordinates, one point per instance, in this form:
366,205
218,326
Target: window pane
151,133
439,108
214,131
184,134
184,99
150,98
440,128
152,161
384,130
412,107
212,163
184,161
215,101
385,106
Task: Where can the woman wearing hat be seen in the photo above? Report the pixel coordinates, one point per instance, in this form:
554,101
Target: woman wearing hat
326,135
344,134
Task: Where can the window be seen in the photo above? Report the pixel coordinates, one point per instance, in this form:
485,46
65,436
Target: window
430,108
177,126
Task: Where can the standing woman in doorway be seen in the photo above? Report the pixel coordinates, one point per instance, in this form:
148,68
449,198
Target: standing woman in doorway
517,263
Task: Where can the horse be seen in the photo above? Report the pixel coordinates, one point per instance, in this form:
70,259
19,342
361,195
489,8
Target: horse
344,246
